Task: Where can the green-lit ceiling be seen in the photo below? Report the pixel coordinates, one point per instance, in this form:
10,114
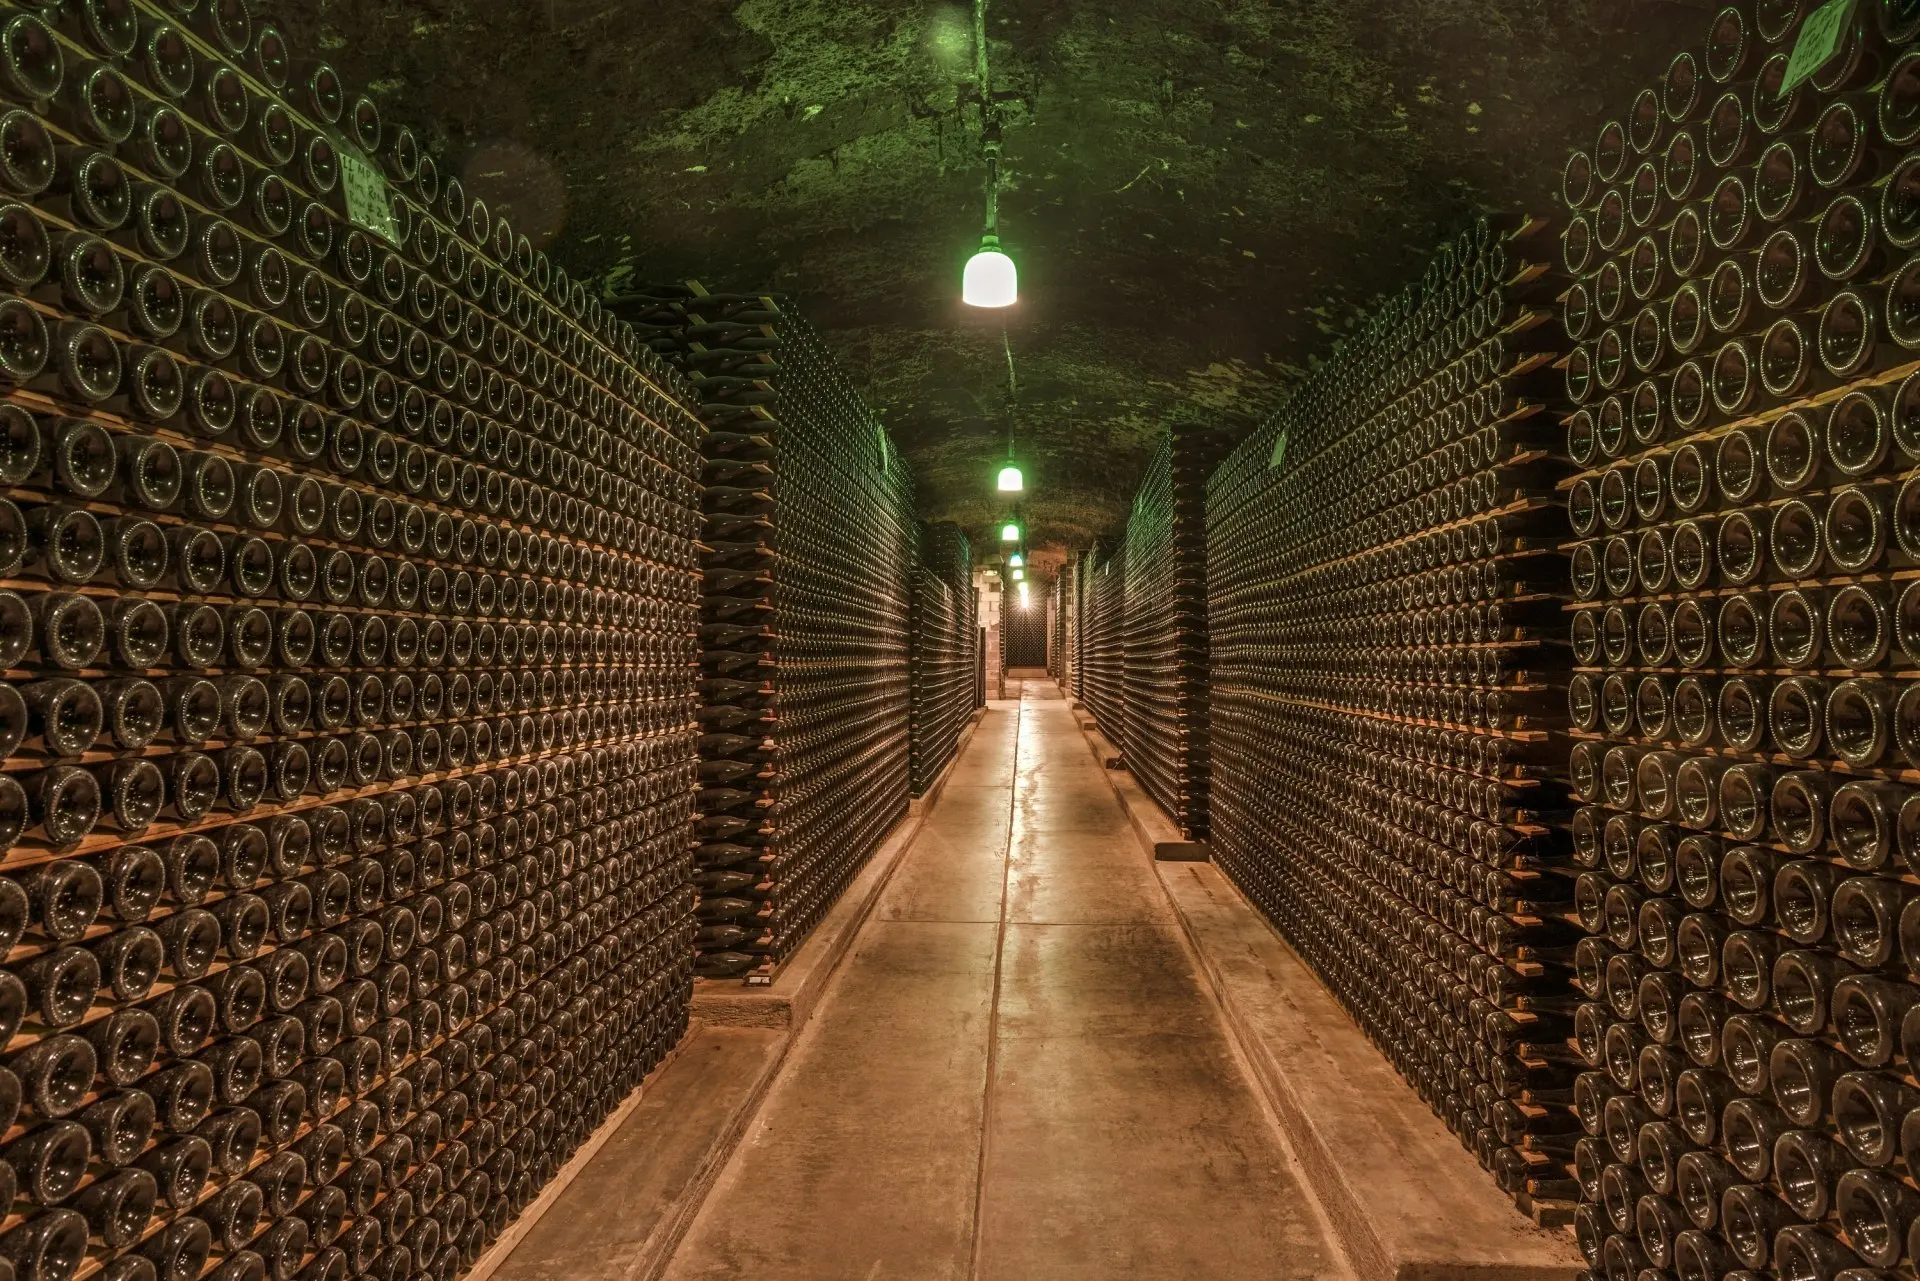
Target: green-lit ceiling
1198,192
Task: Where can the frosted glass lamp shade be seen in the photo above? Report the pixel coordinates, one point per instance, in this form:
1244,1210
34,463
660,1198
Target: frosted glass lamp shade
991,279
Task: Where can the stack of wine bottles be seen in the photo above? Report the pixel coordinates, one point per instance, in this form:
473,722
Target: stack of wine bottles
1388,651
810,540
1060,611
1748,318
1164,642
348,617
1103,680
1023,631
1070,623
944,632
1082,564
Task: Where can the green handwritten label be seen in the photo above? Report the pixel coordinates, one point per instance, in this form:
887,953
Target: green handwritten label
369,206
1279,451
1820,37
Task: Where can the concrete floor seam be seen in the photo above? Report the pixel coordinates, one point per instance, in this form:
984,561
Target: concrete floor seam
993,1005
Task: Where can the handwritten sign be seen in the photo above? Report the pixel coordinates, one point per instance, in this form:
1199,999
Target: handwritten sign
369,205
1820,37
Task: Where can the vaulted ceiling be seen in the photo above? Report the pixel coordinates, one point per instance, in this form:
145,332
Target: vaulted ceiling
1198,192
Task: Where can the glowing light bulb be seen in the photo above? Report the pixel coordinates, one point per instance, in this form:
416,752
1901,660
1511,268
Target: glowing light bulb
1016,560
1011,481
1010,532
991,279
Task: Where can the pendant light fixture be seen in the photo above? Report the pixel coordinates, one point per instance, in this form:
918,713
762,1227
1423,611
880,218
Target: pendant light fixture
1012,479
991,279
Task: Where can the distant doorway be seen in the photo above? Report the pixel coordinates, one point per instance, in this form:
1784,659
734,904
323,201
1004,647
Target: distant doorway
1025,634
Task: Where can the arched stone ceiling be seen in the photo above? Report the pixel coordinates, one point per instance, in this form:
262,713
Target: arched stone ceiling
1198,192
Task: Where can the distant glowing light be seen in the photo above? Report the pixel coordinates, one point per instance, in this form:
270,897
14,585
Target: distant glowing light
991,280
1025,601
1020,577
1016,560
1010,532
1011,481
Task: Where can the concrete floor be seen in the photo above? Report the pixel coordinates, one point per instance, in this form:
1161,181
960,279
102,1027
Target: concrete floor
1018,1073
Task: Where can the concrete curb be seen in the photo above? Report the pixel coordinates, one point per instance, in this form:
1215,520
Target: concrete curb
1406,1202
789,1001
516,1232
784,1007
1150,823
651,1261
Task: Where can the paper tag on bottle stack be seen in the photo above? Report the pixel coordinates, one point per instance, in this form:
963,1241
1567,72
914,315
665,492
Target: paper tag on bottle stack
1820,37
369,205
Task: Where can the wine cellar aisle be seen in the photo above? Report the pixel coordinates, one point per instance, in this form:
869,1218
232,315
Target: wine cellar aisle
496,771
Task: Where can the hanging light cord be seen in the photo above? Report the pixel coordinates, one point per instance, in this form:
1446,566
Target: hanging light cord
980,48
989,117
1013,390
